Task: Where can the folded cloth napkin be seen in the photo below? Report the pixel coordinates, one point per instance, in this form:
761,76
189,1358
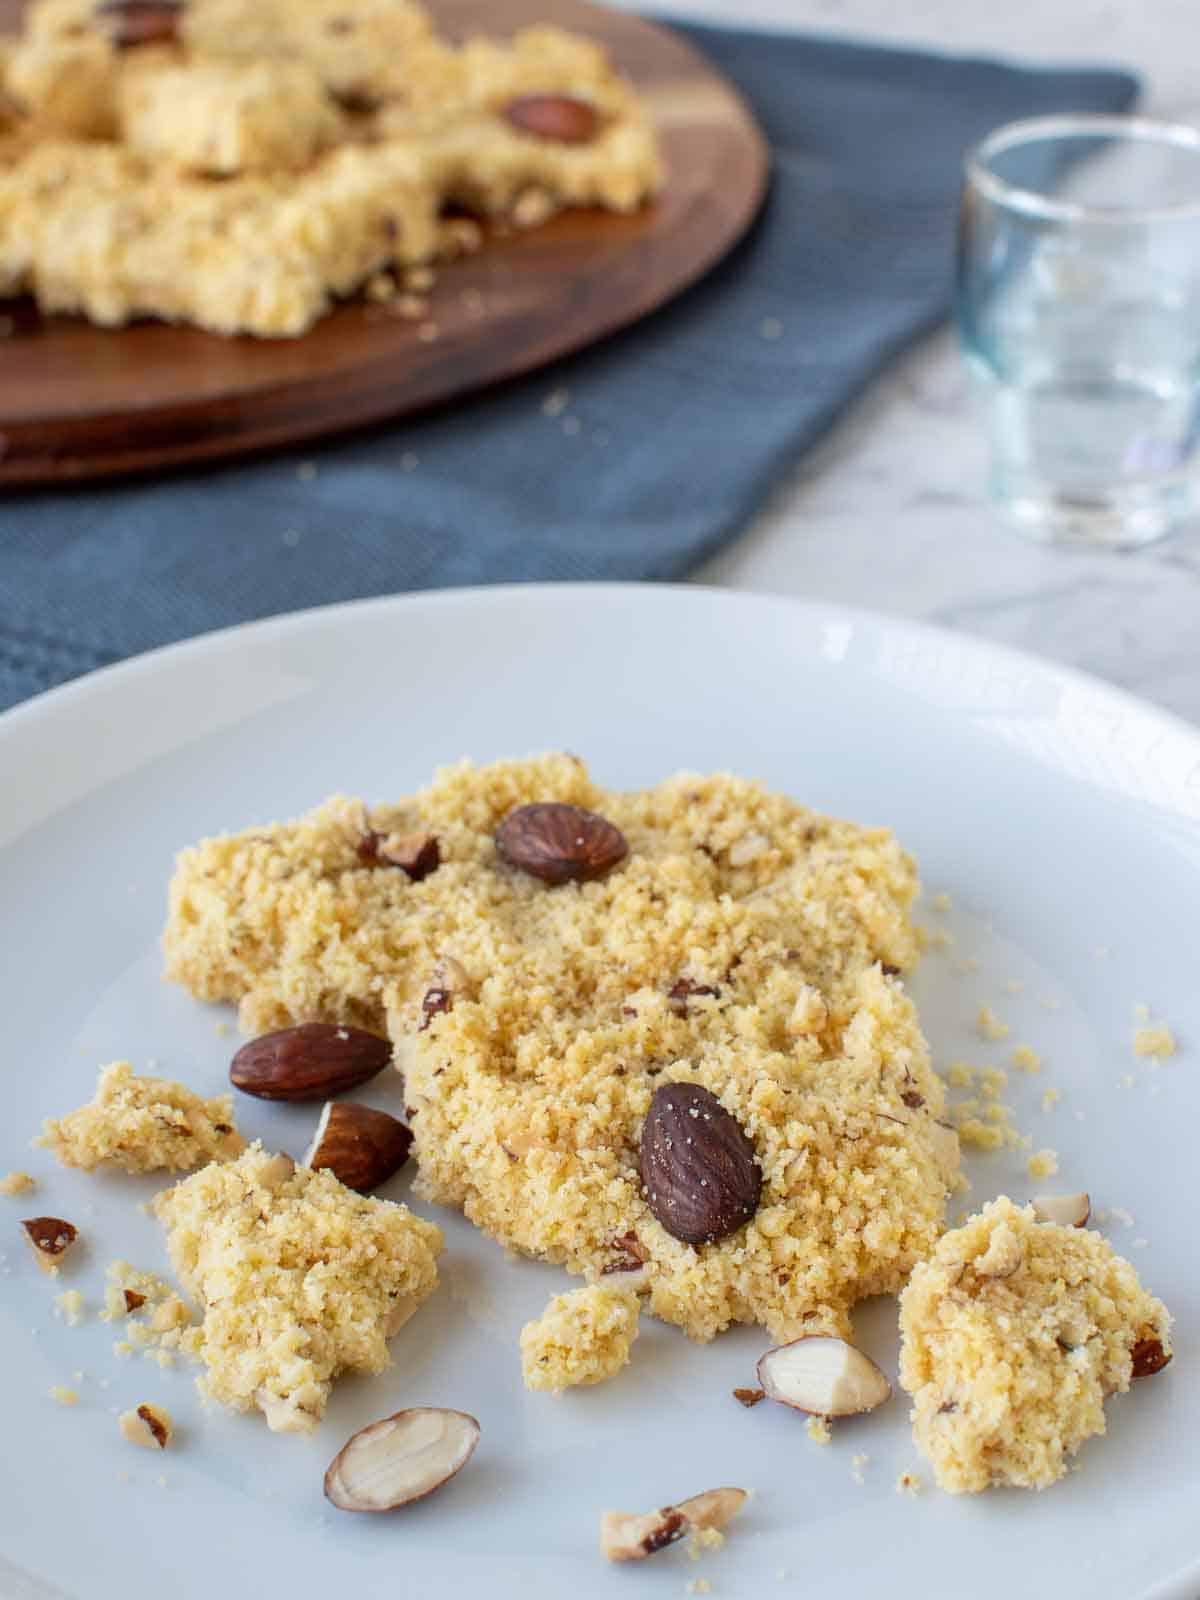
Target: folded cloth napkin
673,431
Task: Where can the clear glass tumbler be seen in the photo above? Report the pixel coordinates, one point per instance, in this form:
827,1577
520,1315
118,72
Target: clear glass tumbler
1079,306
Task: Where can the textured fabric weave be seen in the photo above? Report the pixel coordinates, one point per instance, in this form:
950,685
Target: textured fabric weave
674,430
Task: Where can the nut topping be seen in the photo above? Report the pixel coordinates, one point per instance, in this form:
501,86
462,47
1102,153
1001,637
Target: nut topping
823,1376
308,1062
632,1254
682,991
133,1300
136,22
360,1146
1148,1355
627,1536
700,1171
417,854
49,1238
557,117
1068,1210
401,1458
560,843
749,1397
147,1426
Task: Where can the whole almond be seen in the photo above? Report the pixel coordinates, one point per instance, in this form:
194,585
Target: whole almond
700,1171
558,117
136,22
309,1062
560,843
362,1147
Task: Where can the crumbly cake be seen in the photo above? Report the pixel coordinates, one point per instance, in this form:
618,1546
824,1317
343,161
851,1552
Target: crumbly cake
299,1279
745,944
266,157
143,1125
581,1337
1014,1333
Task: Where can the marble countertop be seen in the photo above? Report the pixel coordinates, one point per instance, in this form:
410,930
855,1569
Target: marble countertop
890,511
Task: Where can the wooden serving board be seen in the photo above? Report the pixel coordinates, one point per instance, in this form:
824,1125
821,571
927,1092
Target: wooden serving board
79,402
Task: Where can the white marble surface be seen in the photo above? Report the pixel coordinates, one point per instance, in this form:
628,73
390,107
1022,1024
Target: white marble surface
890,512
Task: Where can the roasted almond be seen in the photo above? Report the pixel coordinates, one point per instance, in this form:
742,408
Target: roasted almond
749,1397
136,22
823,1376
309,1062
630,1254
631,1536
416,854
561,118
700,1171
400,1459
560,843
1149,1356
362,1147
49,1238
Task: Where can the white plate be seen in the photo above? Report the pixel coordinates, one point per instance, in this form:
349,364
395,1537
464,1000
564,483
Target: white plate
1063,819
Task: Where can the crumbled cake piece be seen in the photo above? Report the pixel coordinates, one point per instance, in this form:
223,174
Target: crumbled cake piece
14,1183
959,1075
819,1430
340,131
143,1125
1050,1098
1043,1164
909,1483
585,1336
1014,1333
299,1279
1154,1041
1026,1059
531,1078
990,1025
941,902
65,1397
69,1305
129,1289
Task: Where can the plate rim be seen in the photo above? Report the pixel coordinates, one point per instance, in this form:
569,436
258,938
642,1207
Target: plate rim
103,680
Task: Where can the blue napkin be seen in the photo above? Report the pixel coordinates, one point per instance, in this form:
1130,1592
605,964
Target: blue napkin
657,445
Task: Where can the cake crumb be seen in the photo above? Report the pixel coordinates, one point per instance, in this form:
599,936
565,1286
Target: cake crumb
1015,985
1043,1164
123,1348
1141,1012
857,1463
990,1025
941,902
991,1081
556,402
818,1430
909,1483
703,1539
222,1028
961,1076
698,1586
65,1397
1050,1098
1156,1041
977,1135
1127,1080
584,1336
1026,1059
17,1183
69,1305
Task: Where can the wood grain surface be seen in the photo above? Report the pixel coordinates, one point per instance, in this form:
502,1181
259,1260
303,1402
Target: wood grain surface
79,402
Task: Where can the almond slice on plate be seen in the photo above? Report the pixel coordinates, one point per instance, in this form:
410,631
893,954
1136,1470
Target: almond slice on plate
823,1376
1069,1210
400,1459
630,1536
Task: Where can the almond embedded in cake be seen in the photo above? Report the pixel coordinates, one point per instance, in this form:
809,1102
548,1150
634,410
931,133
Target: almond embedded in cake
742,944
143,1125
1015,1332
298,1279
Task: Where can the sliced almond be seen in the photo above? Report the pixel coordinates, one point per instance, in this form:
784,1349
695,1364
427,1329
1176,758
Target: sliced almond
1068,1210
147,1426
630,1536
400,1458
823,1376
49,1238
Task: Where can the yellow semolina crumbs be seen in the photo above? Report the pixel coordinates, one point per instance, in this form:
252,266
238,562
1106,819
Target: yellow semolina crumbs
581,1337
1154,1041
744,943
299,1279
1014,1333
15,1183
143,1125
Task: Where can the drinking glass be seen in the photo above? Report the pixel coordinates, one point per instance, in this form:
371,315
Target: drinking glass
1079,307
